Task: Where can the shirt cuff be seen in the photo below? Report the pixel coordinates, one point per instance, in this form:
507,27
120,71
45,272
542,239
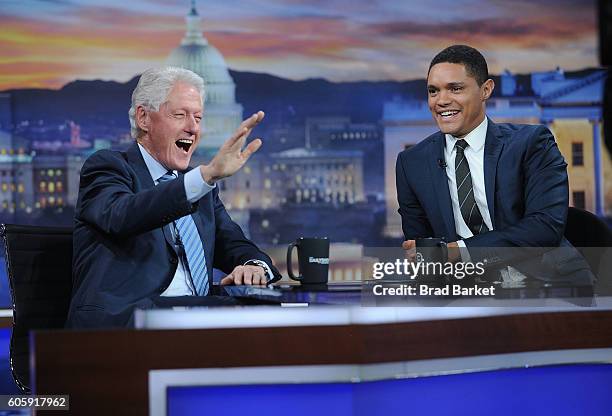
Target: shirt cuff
195,186
463,251
263,264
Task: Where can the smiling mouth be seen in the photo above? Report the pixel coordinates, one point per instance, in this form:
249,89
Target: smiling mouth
448,113
184,144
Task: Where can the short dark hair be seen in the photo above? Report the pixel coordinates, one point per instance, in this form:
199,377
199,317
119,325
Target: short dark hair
475,64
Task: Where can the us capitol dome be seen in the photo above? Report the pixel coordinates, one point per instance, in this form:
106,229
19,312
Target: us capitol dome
222,115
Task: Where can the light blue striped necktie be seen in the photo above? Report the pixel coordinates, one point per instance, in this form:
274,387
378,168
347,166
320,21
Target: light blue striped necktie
187,234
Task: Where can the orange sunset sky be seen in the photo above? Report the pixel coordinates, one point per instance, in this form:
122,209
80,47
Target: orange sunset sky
47,43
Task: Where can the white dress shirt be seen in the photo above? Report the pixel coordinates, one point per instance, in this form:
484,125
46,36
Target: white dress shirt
195,188
474,154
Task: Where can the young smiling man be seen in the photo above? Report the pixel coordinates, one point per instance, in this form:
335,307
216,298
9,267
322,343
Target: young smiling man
148,228
483,186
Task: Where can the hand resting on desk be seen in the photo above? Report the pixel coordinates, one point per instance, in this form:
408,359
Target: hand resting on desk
246,275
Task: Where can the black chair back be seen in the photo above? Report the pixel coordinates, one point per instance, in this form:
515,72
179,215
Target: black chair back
590,235
39,268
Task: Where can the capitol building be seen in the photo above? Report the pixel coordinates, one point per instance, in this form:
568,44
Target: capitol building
222,115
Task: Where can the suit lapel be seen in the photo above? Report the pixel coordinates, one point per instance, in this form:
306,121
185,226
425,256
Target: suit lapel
135,160
493,147
168,236
440,185
137,163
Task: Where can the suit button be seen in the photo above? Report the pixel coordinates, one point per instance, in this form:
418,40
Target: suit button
173,260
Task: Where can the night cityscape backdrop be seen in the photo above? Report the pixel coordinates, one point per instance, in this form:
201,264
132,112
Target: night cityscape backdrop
342,84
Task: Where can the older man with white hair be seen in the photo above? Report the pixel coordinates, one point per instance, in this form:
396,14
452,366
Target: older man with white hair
147,227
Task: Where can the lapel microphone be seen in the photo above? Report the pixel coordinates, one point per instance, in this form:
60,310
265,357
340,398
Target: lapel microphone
442,163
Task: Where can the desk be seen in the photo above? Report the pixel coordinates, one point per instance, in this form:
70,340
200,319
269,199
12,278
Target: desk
108,371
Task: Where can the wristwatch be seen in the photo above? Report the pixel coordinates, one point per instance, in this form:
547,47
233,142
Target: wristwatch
262,264
444,248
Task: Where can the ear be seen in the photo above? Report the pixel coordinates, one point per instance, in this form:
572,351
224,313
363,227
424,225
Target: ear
487,89
142,118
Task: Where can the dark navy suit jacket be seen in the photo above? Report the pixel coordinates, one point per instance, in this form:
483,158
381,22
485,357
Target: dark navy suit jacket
123,248
526,187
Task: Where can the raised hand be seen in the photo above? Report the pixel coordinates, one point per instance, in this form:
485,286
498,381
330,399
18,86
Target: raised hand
231,156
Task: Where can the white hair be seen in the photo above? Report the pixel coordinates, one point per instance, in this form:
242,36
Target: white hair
155,85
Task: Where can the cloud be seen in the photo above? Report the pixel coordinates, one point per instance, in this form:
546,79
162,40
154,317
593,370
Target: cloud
369,40
498,29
